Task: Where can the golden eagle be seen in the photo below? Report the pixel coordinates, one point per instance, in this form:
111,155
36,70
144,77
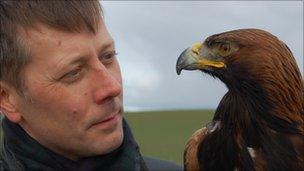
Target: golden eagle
259,123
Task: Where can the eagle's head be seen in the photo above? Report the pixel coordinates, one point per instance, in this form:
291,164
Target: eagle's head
256,66
241,57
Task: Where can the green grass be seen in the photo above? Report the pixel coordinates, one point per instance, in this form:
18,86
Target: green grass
164,134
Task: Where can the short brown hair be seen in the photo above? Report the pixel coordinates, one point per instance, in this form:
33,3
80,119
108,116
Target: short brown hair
15,15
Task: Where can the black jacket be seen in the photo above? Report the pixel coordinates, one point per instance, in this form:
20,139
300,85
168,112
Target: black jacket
21,152
151,163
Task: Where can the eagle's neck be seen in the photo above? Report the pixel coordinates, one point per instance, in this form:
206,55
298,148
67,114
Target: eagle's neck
246,122
241,116
249,109
277,104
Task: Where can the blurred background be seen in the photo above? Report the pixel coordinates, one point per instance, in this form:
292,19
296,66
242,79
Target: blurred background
165,109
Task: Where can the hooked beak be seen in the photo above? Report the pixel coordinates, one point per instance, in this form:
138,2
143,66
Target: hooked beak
197,57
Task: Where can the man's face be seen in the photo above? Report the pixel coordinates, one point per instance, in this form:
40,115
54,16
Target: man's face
75,92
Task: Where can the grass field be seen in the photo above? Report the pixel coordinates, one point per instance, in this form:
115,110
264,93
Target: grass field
164,134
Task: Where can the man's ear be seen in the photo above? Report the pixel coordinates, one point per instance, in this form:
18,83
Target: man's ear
8,103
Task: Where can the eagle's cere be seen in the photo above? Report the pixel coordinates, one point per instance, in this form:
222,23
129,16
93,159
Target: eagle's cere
259,123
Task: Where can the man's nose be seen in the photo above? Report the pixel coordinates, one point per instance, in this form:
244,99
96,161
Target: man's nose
108,84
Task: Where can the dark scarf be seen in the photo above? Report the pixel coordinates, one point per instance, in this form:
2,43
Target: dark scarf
32,156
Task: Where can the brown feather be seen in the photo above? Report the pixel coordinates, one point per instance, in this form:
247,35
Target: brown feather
190,153
263,109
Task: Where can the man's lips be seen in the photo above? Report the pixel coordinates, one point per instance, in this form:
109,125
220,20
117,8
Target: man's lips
107,119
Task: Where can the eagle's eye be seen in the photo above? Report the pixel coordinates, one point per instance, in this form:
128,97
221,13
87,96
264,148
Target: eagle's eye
224,49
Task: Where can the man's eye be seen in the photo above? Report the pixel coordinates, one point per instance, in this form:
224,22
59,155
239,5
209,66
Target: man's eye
108,57
72,75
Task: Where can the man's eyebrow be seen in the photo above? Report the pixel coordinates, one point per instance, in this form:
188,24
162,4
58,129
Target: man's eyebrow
106,46
81,59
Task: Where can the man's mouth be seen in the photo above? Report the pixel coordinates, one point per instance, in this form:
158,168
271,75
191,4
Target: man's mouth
109,121
109,118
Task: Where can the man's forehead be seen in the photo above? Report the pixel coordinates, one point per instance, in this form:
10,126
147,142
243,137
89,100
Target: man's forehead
35,37
45,42
41,35
39,29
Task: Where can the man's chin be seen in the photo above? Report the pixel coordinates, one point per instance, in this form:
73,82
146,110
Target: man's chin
113,145
110,141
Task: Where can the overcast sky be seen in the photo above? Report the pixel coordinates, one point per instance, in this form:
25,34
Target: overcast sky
150,35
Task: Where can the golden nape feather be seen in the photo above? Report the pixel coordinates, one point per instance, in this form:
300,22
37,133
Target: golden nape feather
259,123
190,154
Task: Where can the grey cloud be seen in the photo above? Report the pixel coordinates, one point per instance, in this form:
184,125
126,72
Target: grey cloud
151,34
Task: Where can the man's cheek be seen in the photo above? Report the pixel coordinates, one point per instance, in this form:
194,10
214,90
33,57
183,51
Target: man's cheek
75,111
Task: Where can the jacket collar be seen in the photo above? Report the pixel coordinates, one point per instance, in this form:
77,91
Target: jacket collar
34,156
